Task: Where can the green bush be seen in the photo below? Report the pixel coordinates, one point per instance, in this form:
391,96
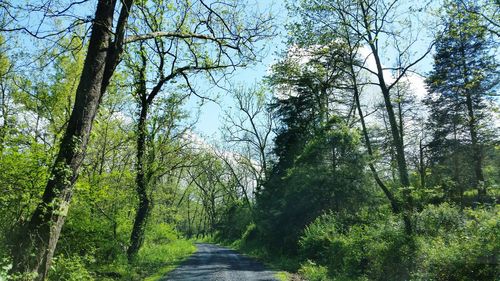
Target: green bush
316,243
448,244
162,247
70,269
438,220
161,233
467,252
379,250
314,272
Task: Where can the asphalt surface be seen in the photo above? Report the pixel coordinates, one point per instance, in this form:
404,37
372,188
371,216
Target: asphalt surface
211,262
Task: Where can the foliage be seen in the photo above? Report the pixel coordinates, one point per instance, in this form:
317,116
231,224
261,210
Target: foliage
70,269
313,272
375,248
325,199
317,182
463,246
461,86
234,222
449,245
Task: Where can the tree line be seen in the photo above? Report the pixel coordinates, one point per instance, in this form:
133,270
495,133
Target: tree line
333,166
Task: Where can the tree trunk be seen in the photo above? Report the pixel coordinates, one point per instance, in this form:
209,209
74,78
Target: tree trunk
137,236
394,204
476,151
421,164
37,239
397,141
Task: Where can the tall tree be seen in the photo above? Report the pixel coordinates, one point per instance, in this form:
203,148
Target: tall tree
40,234
460,85
174,58
366,24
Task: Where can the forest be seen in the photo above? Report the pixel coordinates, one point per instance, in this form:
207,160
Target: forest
352,139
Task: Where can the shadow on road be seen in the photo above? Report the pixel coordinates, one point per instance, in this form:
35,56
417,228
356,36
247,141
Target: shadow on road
212,262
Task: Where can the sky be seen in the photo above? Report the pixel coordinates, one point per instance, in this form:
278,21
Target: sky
209,122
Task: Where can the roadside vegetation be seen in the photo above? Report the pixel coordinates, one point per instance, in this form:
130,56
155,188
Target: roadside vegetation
370,150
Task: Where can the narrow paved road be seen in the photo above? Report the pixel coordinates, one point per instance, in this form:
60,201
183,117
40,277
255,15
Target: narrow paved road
216,263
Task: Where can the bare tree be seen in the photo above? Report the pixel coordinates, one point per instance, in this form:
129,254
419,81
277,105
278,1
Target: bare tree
249,130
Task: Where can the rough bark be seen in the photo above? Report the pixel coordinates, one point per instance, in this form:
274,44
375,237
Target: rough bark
138,230
37,238
137,236
397,141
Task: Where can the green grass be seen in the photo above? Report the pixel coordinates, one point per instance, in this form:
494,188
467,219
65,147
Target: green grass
154,261
161,259
282,275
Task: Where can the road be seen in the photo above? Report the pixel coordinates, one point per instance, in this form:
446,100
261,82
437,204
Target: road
211,262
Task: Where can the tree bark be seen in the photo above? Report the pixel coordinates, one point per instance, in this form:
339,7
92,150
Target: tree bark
477,152
421,164
394,126
138,230
37,239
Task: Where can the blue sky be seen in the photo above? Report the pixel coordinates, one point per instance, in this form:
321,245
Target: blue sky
209,122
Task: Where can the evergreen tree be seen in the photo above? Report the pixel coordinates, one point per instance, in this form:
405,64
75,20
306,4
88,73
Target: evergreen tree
318,166
460,85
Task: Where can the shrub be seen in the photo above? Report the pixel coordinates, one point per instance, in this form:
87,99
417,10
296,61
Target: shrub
162,246
316,243
314,272
466,252
69,269
448,244
161,233
438,220
378,249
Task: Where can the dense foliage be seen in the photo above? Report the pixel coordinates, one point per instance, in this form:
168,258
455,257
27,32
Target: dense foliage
334,167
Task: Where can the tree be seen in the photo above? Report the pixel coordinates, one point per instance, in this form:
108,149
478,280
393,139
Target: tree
365,25
6,93
249,130
488,12
176,58
460,86
41,233
315,149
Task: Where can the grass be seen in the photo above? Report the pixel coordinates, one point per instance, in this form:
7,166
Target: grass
154,261
161,259
282,276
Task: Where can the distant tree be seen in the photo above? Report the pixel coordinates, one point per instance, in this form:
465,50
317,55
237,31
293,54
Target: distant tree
248,129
